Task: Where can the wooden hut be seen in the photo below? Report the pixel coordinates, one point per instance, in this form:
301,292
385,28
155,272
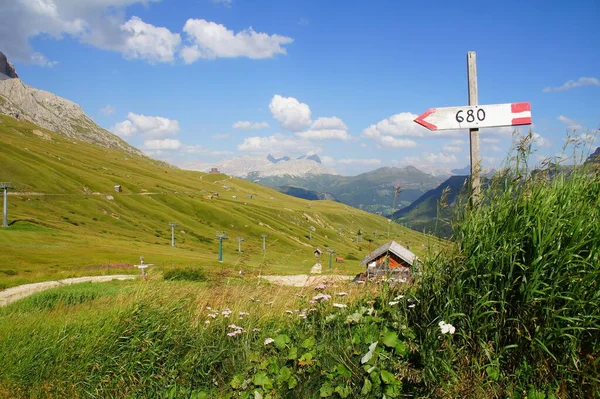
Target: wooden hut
390,258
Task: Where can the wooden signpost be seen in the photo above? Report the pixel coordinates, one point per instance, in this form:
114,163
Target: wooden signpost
474,117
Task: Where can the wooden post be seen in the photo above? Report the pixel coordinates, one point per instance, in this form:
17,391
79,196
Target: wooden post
473,133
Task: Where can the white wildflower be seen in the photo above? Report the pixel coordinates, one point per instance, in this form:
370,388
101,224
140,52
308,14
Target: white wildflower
398,297
392,303
321,297
446,328
342,294
339,305
269,341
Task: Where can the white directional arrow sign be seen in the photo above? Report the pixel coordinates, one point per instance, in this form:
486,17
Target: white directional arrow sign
476,116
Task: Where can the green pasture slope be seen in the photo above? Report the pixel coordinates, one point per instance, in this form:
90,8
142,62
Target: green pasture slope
61,223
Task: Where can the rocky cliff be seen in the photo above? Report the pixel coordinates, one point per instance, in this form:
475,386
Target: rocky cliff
51,111
55,113
6,68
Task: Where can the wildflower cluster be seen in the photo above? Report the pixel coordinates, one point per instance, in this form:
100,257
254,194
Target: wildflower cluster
236,330
320,298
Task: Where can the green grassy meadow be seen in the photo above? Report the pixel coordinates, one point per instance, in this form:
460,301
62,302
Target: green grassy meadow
61,223
507,309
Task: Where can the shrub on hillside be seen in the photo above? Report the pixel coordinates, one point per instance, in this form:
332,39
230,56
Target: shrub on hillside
185,275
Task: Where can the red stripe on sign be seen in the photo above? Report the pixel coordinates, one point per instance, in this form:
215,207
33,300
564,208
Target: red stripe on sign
421,119
520,107
521,121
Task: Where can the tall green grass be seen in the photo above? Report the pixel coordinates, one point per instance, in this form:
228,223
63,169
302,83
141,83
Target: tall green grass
522,288
152,340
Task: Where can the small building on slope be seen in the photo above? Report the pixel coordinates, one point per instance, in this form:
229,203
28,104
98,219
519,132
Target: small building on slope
390,258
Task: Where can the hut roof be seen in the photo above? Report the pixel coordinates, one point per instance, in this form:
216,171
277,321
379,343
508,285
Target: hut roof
394,248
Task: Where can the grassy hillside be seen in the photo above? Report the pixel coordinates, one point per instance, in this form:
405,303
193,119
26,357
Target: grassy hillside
304,193
510,310
372,191
66,219
422,215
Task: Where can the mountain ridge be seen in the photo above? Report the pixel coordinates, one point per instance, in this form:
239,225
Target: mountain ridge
57,114
372,191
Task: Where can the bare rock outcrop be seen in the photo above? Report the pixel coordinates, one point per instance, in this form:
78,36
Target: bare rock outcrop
55,113
6,68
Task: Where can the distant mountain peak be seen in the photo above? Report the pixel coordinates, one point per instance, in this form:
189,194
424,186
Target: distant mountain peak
255,167
594,157
314,157
7,70
462,171
272,159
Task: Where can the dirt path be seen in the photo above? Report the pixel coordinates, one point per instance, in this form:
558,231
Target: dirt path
13,294
302,280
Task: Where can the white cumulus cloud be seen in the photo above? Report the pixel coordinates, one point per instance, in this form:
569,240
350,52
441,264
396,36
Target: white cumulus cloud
99,23
571,84
165,144
102,24
329,123
277,143
147,126
206,39
291,113
148,42
403,124
328,128
246,125
385,141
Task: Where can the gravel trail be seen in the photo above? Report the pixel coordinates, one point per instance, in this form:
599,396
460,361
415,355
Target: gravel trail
13,294
303,280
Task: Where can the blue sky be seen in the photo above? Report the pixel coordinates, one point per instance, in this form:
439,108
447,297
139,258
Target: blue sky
194,82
